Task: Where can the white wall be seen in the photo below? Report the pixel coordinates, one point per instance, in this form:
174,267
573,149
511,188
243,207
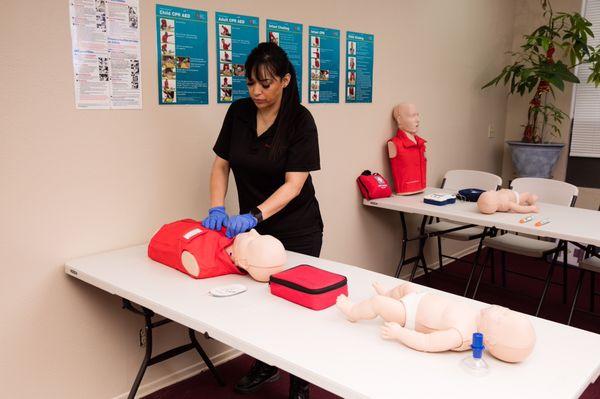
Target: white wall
80,182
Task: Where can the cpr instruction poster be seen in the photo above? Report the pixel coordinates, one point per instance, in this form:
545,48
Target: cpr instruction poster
182,45
236,36
105,38
359,67
288,36
324,65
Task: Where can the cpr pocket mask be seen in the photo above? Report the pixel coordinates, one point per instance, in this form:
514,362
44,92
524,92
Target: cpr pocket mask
373,185
439,199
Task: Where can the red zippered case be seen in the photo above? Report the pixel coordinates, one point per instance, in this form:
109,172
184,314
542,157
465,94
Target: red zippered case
308,286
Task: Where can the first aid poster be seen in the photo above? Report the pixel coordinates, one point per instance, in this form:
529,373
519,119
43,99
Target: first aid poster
236,36
105,37
324,65
288,36
359,67
182,50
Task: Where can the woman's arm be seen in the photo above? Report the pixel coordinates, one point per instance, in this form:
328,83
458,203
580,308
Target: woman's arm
219,179
294,181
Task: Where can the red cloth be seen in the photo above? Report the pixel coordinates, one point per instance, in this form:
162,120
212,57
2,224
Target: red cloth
409,166
207,246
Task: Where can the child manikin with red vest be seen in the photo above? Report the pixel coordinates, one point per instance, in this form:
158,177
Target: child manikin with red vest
407,152
191,248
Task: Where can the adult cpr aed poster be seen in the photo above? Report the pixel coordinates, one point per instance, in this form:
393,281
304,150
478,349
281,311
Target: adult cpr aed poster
288,36
236,36
359,67
182,50
324,65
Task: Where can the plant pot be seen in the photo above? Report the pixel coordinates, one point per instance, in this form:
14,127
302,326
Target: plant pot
534,160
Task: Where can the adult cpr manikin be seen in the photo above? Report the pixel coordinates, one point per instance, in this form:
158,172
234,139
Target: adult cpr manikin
506,201
407,152
430,322
191,248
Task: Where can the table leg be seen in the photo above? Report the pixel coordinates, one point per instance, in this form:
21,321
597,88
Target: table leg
149,360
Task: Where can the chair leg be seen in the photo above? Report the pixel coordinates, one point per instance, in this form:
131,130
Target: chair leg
475,261
489,258
579,281
592,291
493,266
548,281
565,270
440,256
503,267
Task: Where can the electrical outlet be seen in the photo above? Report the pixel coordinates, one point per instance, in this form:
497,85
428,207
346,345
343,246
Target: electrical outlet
491,131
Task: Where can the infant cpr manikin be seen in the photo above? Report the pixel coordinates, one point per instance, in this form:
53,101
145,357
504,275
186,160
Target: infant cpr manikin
430,322
506,201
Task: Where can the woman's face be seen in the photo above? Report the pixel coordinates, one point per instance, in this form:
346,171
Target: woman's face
266,89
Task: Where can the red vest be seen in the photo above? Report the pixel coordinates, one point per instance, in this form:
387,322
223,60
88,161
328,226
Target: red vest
207,246
409,166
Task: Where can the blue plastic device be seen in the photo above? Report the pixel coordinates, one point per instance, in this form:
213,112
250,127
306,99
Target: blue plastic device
477,345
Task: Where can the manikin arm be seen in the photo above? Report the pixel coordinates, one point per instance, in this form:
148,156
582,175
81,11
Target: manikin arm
438,341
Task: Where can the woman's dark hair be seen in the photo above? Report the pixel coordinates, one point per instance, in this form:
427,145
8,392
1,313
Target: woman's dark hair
269,58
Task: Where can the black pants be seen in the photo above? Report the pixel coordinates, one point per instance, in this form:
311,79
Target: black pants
309,244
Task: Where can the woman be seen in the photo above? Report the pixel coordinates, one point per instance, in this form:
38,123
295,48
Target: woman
270,143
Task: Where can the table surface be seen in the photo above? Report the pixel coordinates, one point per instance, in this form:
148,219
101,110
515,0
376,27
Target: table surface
566,223
348,359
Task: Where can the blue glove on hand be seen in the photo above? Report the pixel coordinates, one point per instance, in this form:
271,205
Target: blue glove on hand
239,224
217,218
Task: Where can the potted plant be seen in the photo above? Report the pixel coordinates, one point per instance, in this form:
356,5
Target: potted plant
535,67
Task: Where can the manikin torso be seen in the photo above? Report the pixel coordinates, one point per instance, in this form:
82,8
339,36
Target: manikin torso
186,245
407,152
259,255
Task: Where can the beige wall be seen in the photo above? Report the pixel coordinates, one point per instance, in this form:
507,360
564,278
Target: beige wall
79,182
528,17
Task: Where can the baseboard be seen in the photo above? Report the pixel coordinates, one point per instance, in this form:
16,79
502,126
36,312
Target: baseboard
183,374
436,265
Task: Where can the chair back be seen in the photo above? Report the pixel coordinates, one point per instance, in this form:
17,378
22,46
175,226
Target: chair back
550,191
461,178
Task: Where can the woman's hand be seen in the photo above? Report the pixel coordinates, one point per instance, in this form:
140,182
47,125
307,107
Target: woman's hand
216,219
240,223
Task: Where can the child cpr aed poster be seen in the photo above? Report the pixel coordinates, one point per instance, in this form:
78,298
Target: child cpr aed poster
288,36
182,50
324,65
236,36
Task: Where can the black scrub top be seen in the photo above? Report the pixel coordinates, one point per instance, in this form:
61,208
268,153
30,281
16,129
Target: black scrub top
257,176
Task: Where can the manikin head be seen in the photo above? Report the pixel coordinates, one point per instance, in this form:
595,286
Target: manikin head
407,117
260,255
488,202
507,335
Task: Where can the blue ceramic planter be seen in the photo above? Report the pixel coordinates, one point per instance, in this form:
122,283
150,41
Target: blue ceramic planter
534,160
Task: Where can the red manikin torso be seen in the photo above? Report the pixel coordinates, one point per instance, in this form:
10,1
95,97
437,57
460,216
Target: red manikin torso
409,166
207,246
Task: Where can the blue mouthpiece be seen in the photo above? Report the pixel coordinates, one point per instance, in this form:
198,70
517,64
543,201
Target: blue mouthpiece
477,345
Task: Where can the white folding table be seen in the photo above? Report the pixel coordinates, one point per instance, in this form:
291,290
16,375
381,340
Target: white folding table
322,347
575,225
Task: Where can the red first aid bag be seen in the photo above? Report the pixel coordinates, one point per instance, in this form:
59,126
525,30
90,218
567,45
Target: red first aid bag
373,185
308,286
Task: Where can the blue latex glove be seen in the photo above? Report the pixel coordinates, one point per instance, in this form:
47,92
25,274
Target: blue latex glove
217,218
240,223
